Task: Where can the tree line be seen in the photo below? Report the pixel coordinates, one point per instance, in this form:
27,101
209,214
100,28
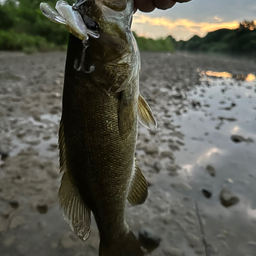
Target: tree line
231,41
24,28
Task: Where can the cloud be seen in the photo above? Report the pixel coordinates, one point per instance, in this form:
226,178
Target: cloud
162,26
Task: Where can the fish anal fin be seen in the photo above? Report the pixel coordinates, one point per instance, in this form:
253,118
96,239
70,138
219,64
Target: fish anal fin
138,188
146,116
75,212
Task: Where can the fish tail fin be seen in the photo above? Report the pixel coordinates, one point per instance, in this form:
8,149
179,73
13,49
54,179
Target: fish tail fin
127,245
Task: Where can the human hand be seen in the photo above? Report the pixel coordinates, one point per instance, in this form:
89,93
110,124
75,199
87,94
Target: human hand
150,5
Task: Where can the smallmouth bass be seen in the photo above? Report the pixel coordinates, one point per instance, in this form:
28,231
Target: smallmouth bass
98,128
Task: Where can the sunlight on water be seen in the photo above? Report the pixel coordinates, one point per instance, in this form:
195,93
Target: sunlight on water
248,78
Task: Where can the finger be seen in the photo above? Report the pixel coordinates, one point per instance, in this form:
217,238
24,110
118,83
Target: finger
164,4
183,1
145,5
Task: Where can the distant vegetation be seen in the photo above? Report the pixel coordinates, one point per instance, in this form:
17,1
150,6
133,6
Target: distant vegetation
24,28
238,41
156,45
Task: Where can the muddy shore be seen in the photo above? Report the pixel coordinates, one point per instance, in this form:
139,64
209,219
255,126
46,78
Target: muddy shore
204,144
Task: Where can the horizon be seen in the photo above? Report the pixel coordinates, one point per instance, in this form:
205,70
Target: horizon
197,17
235,23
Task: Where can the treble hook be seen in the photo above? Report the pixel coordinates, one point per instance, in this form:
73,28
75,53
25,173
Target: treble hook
80,67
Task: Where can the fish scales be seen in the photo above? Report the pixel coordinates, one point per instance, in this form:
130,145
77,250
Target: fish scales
98,129
99,159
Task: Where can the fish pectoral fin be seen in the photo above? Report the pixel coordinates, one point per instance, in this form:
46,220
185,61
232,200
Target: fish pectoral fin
113,41
146,116
75,212
138,187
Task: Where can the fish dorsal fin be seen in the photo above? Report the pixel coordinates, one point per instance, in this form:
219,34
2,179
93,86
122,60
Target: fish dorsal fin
146,116
138,187
76,213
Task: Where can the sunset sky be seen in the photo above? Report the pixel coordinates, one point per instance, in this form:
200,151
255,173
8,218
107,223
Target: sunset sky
196,17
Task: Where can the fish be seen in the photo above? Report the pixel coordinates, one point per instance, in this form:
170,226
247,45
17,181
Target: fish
101,108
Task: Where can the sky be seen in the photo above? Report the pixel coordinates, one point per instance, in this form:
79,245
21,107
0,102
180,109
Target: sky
197,17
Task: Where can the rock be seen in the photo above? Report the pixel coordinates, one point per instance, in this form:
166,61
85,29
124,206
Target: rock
221,236
42,208
153,131
14,204
33,142
212,249
167,153
4,154
22,248
189,220
16,221
172,251
53,147
206,193
8,241
182,186
238,139
251,243
193,240
56,95
68,240
148,240
168,219
157,166
151,149
227,198
3,224
210,170
57,81
41,224
172,169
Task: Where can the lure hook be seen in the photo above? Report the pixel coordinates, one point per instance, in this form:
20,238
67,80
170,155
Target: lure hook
80,66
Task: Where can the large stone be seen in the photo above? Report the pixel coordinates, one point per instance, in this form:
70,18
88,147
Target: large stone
42,208
151,149
210,169
227,198
167,153
148,240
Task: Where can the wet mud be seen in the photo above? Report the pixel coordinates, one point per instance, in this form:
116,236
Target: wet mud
200,162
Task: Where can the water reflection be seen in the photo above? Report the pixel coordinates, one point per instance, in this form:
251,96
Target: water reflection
225,106
247,78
